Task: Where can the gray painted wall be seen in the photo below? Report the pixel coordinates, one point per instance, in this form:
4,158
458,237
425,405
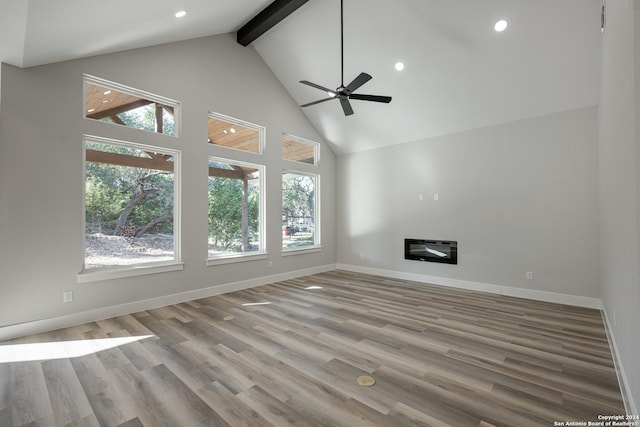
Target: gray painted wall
41,128
618,153
517,197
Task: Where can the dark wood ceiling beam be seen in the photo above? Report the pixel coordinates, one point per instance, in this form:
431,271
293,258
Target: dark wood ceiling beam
156,163
268,18
119,109
115,119
159,122
159,162
226,173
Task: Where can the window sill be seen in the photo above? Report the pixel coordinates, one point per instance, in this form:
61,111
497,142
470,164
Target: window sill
230,259
300,251
128,271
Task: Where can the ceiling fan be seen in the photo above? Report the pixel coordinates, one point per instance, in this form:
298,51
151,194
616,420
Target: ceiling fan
345,93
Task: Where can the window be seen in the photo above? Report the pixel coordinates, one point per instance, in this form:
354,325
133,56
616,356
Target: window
130,193
233,133
235,208
113,103
299,150
300,207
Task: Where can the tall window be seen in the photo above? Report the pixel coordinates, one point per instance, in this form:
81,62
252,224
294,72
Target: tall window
130,204
235,208
114,103
300,207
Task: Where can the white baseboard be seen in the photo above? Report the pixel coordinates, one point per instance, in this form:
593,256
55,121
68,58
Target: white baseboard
579,301
623,381
50,324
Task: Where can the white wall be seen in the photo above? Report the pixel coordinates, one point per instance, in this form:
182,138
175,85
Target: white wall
41,128
618,185
517,197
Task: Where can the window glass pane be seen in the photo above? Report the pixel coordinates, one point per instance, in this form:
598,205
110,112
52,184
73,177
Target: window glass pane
299,150
299,218
232,133
234,208
129,108
129,205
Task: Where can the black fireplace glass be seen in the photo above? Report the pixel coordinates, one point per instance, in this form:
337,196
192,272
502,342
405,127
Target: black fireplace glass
443,251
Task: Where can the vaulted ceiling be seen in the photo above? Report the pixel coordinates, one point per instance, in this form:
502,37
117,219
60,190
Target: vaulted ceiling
459,74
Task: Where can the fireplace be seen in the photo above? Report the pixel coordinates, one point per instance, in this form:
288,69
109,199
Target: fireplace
443,251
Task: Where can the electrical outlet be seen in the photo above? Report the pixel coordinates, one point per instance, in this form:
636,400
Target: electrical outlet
270,264
529,275
436,196
67,296
361,256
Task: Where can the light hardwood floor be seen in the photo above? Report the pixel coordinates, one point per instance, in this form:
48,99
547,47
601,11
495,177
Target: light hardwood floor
439,356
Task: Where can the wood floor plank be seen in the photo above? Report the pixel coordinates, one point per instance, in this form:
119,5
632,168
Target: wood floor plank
193,375
292,380
29,398
230,408
327,413
134,422
406,415
110,407
89,421
65,393
143,398
273,410
214,368
439,357
182,405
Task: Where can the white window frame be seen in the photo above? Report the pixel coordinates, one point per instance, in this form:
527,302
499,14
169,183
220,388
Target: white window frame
177,110
251,255
317,245
115,272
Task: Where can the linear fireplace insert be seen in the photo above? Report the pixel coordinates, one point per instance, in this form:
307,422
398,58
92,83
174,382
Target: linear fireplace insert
444,251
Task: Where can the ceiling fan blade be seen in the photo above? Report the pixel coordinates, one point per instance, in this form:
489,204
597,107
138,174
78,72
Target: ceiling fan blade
317,102
308,83
374,98
346,106
357,82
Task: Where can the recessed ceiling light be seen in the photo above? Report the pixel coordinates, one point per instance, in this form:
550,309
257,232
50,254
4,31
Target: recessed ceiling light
232,130
399,66
106,92
501,25
91,110
180,14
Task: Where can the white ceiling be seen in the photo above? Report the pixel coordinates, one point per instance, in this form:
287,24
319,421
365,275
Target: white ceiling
460,74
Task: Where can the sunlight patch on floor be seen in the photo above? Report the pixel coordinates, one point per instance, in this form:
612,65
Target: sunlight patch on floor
61,349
